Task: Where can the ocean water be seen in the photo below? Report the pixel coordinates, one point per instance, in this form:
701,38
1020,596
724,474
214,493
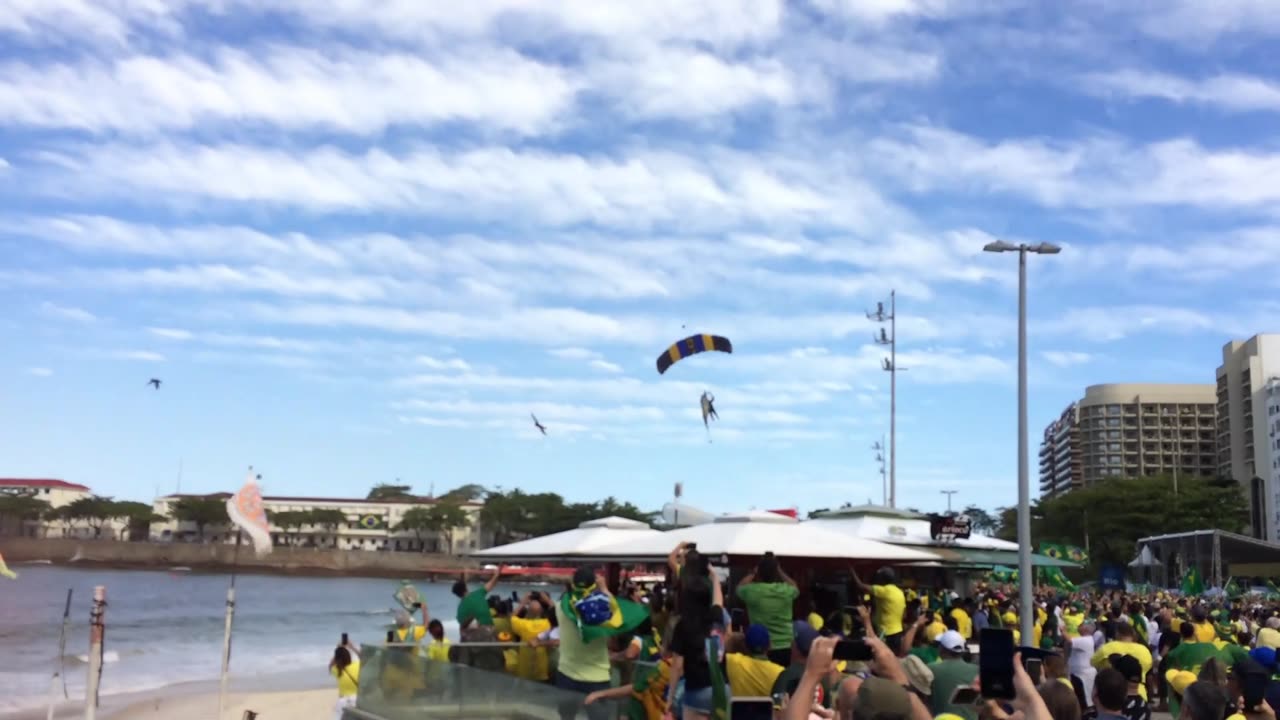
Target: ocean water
165,628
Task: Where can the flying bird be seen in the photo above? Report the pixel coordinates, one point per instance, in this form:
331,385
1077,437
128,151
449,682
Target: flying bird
155,382
542,428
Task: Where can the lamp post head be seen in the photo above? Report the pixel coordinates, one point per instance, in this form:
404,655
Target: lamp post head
1045,248
999,246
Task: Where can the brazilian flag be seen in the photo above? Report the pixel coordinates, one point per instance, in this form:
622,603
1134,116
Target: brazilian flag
1233,589
1054,578
627,615
1192,583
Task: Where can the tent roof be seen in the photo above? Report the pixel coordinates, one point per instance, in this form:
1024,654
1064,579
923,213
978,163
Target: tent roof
756,532
903,530
1235,547
571,544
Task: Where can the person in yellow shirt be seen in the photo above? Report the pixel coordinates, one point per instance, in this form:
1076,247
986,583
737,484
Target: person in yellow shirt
964,623
935,628
1269,636
751,673
1072,619
345,668
1125,644
528,623
890,604
1205,631
406,631
438,647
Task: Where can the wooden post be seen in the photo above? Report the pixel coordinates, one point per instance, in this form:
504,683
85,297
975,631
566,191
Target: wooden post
97,628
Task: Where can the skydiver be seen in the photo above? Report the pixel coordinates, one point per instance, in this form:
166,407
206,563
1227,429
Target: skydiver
709,408
537,424
155,382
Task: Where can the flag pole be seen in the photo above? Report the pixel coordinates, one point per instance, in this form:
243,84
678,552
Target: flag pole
60,670
226,633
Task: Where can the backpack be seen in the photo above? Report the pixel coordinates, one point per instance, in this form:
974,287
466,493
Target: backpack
594,608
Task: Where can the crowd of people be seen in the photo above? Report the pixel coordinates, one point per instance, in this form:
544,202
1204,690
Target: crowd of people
765,650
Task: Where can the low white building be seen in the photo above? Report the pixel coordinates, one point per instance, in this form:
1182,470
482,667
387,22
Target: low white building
59,494
369,525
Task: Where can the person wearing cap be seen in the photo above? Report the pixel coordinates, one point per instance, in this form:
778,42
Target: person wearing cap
789,679
890,604
583,665
1125,644
951,672
919,677
752,673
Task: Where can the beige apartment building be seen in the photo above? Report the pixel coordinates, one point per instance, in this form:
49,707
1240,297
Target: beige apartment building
1248,436
370,525
1130,430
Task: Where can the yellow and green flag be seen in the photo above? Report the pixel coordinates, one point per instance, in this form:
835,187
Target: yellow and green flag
5,571
1192,583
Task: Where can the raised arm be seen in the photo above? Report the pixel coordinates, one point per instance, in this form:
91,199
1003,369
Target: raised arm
493,581
857,581
673,560
908,640
717,590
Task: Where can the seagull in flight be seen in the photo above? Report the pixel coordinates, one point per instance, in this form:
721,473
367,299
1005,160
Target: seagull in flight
537,424
154,382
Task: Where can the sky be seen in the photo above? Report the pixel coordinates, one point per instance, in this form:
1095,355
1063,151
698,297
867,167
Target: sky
362,242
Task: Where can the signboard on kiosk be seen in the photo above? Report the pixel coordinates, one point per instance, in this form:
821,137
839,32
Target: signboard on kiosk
949,528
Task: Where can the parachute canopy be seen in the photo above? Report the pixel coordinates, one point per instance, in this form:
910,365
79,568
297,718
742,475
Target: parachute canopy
692,345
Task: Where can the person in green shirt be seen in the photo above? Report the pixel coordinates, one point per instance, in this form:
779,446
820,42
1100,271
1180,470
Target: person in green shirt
951,672
474,606
770,598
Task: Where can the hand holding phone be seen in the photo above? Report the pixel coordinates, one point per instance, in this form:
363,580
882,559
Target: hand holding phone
853,651
1033,666
345,641
995,664
965,695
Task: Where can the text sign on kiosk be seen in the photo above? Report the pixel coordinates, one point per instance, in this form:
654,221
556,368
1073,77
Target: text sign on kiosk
948,528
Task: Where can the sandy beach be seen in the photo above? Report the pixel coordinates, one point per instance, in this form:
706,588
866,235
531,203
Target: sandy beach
301,705
177,704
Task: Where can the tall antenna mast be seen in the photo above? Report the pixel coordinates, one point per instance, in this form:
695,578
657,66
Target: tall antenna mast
890,365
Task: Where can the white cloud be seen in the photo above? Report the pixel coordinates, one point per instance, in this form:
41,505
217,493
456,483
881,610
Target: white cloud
140,356
1108,324
1099,172
40,372
292,88
631,189
171,333
74,314
1066,358
605,366
431,363
1227,91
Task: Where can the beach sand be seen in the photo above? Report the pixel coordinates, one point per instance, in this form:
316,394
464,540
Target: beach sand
301,705
185,705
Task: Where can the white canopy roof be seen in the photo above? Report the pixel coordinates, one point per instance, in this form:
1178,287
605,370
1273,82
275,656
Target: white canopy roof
902,530
756,532
572,543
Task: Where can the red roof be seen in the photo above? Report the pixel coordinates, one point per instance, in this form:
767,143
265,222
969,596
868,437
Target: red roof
23,482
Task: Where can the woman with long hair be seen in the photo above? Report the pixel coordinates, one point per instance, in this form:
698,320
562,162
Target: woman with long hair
345,668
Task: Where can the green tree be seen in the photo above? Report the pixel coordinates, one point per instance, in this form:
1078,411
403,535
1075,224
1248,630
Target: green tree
464,494
288,520
981,521
94,511
202,511
138,518
447,518
1111,516
418,521
21,508
387,491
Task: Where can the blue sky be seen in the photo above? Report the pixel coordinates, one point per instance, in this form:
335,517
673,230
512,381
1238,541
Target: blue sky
363,243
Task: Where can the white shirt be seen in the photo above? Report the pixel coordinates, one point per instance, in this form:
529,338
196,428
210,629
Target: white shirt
1081,655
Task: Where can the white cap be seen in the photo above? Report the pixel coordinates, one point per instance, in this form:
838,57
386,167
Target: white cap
952,641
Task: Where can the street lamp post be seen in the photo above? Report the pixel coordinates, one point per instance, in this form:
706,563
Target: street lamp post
948,493
1026,581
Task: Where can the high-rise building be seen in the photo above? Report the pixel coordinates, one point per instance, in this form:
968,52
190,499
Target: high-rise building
1060,467
1249,451
1130,430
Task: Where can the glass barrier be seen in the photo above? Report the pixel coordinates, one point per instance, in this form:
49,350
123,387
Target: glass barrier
397,683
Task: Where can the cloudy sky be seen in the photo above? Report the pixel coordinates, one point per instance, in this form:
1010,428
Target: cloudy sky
363,241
